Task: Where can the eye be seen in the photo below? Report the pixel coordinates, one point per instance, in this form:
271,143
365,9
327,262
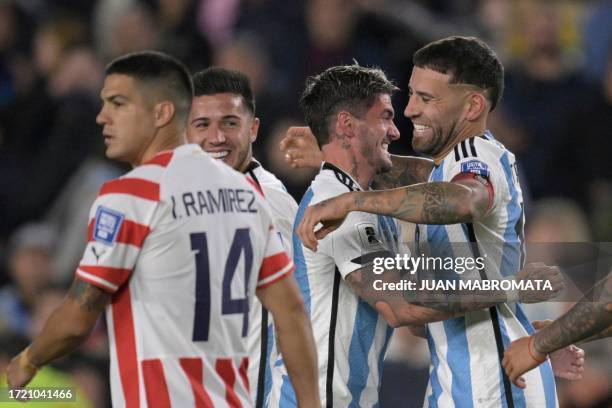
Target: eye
230,123
201,125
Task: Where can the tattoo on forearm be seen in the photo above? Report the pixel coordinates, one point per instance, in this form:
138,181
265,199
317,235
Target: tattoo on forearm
88,296
587,319
405,171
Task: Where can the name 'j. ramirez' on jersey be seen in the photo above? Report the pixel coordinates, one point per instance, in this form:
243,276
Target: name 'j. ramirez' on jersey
182,242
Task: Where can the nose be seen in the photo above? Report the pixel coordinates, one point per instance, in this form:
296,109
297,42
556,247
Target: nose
102,117
412,108
393,132
218,135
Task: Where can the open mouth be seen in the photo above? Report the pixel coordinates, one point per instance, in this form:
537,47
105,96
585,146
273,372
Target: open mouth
421,128
219,155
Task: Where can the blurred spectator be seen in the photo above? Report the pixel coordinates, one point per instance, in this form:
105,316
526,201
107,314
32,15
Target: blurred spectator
597,41
542,90
30,268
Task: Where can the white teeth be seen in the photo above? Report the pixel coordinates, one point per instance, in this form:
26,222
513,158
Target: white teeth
219,155
420,128
385,146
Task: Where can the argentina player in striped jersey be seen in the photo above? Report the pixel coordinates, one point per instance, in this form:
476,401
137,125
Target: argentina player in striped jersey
471,194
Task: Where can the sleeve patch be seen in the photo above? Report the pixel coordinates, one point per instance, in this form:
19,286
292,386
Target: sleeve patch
367,235
475,167
107,225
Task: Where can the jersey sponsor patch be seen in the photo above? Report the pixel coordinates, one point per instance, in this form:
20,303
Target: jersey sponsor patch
107,225
476,167
367,235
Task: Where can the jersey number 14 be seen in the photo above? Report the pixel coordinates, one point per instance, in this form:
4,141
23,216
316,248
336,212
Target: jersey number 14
241,244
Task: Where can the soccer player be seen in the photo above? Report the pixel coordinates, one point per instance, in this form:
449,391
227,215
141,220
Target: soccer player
177,248
587,320
223,122
472,195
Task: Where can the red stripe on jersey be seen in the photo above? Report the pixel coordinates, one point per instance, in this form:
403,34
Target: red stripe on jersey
244,367
125,345
273,264
225,369
116,276
161,159
155,383
284,275
255,185
132,186
131,232
193,368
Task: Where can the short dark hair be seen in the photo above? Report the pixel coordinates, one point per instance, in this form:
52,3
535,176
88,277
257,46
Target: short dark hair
160,70
467,60
348,87
215,80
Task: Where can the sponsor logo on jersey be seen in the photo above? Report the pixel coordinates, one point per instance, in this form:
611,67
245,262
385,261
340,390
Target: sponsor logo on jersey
107,225
476,167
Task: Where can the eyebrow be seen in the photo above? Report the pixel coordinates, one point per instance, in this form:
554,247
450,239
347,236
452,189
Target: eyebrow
113,97
208,118
420,93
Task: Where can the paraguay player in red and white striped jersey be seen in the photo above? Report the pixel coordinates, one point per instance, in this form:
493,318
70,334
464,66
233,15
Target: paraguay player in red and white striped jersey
176,250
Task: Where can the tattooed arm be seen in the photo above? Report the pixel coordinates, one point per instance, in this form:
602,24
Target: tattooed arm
406,170
67,327
585,320
425,305
425,203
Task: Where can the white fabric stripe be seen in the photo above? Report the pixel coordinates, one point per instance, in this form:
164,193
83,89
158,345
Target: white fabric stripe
119,256
179,387
276,275
101,281
149,172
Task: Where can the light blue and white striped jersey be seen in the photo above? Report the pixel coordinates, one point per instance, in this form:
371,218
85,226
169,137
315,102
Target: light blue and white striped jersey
466,351
350,336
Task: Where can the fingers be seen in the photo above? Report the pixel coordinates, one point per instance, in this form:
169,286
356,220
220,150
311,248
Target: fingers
306,230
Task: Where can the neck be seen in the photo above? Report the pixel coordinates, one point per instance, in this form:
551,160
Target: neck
346,161
164,140
470,130
245,165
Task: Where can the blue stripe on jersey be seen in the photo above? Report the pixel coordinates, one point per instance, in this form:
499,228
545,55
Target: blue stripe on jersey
436,389
268,372
359,349
518,395
458,359
287,393
546,373
511,252
301,271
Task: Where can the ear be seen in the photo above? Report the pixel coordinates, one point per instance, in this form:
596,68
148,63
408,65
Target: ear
254,129
345,124
164,113
477,105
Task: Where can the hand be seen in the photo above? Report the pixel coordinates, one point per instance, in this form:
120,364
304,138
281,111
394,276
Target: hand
567,362
519,358
330,213
540,271
20,371
301,148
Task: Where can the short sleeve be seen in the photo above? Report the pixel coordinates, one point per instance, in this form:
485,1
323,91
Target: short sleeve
119,224
276,263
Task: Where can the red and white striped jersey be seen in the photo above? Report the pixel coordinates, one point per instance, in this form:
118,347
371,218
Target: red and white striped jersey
182,242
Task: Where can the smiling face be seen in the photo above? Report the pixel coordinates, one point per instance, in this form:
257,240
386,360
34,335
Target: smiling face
223,126
376,131
436,109
127,118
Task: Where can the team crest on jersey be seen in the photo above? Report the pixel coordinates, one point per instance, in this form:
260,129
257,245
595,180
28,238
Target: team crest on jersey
476,167
107,225
367,235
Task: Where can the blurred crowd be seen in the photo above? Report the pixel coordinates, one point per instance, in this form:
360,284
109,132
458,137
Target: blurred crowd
556,116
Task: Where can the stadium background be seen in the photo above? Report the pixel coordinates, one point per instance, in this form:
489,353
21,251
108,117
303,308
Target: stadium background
556,116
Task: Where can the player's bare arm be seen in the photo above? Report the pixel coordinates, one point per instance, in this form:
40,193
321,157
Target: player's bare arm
586,320
295,338
406,171
426,306
425,203
67,327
